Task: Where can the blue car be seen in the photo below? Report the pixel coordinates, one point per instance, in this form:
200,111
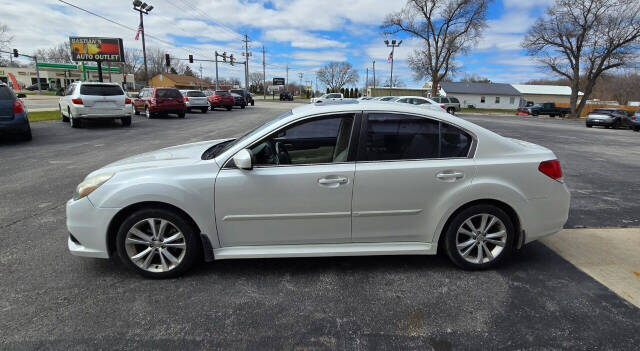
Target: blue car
13,115
635,121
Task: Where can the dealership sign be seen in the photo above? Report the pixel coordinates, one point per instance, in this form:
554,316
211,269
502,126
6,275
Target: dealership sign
278,81
96,49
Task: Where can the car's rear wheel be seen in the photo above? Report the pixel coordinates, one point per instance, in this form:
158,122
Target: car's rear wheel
480,237
126,121
243,106
181,114
204,109
252,103
158,243
636,129
451,110
75,123
589,126
229,108
26,136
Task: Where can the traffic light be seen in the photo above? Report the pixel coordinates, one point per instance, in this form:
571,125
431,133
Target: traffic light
15,53
167,60
190,58
231,59
224,56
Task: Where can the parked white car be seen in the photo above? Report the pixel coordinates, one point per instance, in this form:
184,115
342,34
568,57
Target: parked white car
328,97
195,100
420,101
89,100
357,178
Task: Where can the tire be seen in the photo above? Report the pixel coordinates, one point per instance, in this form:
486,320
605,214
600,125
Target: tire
243,106
181,114
204,109
189,110
589,126
136,112
126,121
147,112
252,103
454,239
185,251
534,113
27,135
451,111
636,129
62,116
75,123
229,108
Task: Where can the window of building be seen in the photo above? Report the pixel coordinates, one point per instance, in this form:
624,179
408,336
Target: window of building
512,100
497,99
482,99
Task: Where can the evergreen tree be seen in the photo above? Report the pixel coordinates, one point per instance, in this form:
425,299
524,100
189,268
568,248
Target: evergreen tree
328,91
357,93
173,70
189,72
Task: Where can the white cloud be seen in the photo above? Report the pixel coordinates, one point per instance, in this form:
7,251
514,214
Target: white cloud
301,39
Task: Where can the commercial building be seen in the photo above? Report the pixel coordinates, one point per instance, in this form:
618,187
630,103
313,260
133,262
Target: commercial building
546,93
177,81
55,75
483,95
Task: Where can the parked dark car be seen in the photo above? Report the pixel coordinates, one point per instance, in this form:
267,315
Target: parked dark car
635,121
13,114
247,95
160,101
547,109
286,96
609,118
238,100
221,98
43,86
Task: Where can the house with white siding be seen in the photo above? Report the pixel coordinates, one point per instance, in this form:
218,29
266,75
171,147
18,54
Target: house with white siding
483,95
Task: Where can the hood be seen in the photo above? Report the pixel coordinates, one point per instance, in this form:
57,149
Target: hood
167,157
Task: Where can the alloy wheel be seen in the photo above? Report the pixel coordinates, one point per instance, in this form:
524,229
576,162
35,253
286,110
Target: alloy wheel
147,112
481,238
155,245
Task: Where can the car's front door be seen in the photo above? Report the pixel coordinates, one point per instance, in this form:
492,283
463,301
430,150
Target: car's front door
299,191
407,169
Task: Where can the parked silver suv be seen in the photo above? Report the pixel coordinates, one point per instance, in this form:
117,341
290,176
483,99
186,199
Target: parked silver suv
196,100
451,104
90,100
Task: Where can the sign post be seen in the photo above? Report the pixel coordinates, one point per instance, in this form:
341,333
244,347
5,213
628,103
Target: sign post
98,50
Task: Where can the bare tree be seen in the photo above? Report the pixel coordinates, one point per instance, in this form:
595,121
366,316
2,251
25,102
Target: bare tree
581,39
256,80
474,78
60,53
336,75
448,28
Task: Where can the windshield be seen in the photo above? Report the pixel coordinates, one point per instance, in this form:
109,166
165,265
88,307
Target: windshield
537,106
216,150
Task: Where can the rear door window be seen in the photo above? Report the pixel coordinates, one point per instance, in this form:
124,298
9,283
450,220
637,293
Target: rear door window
100,90
454,142
454,100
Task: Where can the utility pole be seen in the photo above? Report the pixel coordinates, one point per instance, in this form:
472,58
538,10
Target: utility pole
316,89
366,83
201,77
286,83
393,45
264,76
143,8
246,61
374,74
300,74
216,53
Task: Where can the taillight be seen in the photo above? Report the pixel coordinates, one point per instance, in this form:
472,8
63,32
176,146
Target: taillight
633,118
18,107
551,169
443,107
153,100
77,101
127,101
186,98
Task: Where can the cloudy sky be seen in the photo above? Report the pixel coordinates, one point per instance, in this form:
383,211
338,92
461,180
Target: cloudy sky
303,34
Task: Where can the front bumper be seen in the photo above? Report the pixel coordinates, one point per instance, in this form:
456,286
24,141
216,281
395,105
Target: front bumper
88,225
599,122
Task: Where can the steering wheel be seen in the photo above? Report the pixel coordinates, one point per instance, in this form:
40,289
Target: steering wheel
282,154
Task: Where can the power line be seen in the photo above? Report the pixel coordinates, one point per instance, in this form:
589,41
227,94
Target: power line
193,7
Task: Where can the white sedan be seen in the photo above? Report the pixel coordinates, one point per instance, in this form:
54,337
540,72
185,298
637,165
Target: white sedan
419,101
356,178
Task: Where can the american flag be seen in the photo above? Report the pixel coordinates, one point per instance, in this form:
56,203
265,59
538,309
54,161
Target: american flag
390,58
138,31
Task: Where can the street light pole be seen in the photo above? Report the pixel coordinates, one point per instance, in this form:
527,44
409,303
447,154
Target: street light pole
143,8
393,45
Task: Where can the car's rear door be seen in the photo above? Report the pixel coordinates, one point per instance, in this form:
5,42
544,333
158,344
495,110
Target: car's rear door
299,191
407,167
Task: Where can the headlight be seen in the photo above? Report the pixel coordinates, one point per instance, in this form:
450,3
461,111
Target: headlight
89,185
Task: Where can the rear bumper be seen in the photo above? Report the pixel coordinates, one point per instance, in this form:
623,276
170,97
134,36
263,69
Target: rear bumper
604,123
546,216
19,124
90,113
197,105
168,109
88,225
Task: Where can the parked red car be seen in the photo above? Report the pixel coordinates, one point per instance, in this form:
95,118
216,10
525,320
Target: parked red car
220,98
160,101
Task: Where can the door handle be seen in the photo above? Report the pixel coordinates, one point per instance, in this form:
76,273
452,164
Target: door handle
330,181
450,176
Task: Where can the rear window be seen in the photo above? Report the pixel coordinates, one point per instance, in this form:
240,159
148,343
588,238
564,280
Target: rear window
6,93
168,93
239,92
100,90
454,100
195,94
222,93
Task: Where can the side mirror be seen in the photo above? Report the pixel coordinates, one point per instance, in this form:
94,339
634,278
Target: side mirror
243,159
22,96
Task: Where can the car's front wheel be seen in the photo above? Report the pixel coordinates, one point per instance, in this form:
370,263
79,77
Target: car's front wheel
158,243
147,112
62,116
480,237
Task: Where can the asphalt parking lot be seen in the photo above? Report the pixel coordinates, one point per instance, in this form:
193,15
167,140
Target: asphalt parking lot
52,300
